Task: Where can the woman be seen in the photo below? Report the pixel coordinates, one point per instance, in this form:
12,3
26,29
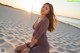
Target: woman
39,42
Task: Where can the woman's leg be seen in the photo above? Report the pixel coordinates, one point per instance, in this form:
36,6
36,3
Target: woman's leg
38,49
21,47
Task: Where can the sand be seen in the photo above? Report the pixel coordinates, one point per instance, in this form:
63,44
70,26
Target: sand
16,28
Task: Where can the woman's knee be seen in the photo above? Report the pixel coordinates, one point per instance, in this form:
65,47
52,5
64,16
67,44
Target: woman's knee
19,48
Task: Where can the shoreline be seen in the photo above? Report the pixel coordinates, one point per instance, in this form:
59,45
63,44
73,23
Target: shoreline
69,21
69,17
69,24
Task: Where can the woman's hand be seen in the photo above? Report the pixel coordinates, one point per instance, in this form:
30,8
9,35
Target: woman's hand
25,50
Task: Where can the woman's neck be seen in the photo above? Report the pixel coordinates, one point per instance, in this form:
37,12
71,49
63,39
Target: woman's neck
43,17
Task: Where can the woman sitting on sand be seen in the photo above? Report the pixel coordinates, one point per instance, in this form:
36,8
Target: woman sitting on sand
39,42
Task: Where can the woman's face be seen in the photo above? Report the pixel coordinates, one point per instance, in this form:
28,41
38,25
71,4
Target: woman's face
45,9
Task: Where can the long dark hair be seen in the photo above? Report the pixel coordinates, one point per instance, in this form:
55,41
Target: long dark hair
52,18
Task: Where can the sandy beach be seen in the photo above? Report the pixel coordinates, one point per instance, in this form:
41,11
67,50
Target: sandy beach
16,28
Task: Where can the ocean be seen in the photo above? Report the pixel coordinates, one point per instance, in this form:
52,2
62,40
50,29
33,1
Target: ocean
71,21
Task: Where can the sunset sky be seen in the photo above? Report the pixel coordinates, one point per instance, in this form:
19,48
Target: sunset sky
61,7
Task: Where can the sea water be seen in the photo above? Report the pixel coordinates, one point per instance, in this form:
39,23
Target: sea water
72,21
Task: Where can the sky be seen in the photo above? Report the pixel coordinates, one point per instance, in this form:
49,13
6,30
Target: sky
61,7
